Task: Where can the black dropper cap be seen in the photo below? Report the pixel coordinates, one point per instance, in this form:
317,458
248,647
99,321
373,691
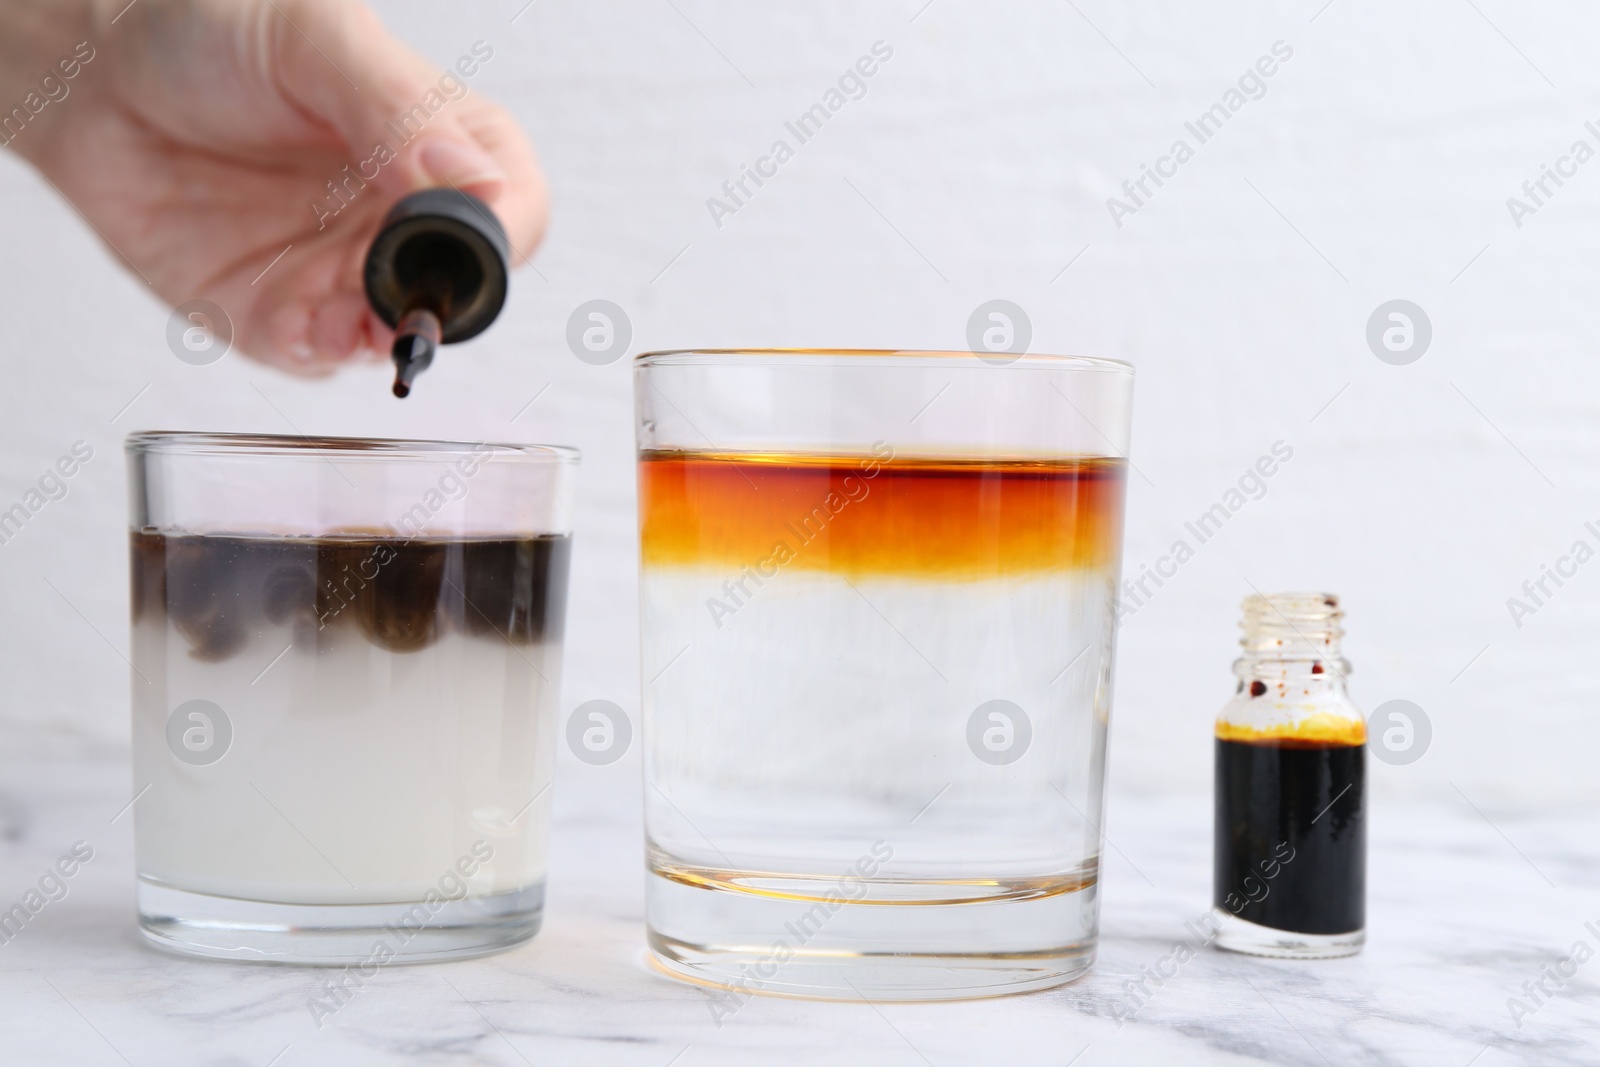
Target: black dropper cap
436,274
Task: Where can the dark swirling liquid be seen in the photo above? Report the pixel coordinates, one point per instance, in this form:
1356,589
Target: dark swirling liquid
219,590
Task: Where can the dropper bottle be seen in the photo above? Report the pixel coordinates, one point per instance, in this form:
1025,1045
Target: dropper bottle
436,274
1290,861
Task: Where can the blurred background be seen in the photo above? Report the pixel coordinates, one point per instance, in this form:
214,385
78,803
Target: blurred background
1374,164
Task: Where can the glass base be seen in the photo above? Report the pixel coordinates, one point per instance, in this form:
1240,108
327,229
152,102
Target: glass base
199,924
1238,935
916,950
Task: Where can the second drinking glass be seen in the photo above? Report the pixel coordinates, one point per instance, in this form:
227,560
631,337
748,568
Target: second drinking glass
877,595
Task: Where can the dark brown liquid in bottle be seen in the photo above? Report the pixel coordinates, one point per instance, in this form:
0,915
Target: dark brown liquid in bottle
1291,842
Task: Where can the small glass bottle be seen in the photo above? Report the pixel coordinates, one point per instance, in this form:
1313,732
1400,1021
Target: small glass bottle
1290,865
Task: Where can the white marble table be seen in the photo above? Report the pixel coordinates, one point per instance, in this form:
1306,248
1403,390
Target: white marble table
1459,920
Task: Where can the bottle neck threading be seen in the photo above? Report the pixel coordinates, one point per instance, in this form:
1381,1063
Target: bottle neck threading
1292,637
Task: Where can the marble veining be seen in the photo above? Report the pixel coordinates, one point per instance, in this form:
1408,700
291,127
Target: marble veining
1465,907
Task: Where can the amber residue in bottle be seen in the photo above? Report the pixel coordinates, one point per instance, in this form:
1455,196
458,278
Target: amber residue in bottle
880,514
1318,728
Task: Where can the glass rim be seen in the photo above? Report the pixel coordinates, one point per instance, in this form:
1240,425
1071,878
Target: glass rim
201,443
692,356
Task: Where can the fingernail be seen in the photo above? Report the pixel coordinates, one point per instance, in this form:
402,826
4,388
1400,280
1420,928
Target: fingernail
455,163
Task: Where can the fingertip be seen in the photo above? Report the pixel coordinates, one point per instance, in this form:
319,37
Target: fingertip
521,207
462,165
522,200
313,341
336,330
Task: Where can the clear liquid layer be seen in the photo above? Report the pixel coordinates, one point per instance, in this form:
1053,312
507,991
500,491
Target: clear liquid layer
817,741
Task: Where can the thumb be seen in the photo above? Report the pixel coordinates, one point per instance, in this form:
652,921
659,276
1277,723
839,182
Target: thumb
391,108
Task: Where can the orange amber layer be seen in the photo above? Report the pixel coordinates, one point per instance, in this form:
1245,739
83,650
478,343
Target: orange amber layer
1319,730
880,515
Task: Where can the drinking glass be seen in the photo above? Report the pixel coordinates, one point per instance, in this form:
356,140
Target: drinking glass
877,599
346,662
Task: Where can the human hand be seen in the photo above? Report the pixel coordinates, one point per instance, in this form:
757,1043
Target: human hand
202,136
